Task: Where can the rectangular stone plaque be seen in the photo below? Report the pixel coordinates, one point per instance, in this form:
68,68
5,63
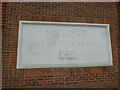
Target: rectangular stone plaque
63,44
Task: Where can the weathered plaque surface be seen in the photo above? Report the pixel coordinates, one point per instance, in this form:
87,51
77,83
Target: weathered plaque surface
62,44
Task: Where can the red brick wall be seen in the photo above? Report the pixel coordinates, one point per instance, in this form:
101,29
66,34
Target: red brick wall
0,46
83,77
118,5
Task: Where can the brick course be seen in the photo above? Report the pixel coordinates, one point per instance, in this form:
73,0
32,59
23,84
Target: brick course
89,77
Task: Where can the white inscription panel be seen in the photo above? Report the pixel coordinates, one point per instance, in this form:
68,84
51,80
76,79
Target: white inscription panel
61,44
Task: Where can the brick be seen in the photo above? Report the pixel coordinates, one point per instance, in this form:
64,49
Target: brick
89,77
